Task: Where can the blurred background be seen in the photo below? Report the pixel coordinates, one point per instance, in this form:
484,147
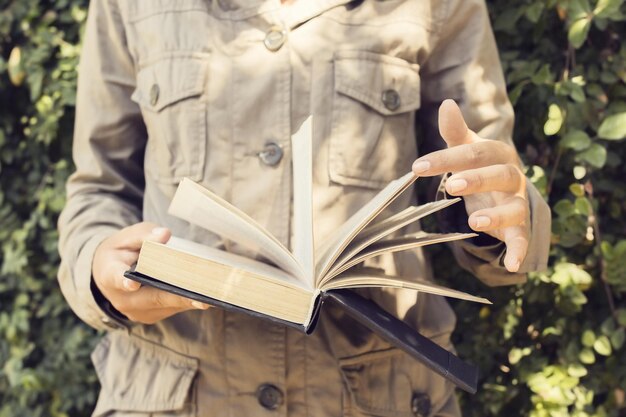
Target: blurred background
551,347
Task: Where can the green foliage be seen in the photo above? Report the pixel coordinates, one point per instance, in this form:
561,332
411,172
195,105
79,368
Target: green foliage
551,347
555,346
44,350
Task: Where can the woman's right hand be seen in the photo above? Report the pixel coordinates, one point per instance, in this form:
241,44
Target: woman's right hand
141,304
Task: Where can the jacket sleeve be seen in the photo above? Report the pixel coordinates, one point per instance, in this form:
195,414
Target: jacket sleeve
105,193
464,65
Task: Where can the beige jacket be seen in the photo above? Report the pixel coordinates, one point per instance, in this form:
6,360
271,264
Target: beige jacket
212,90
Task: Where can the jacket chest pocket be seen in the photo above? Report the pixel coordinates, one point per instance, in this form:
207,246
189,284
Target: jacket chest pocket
372,138
170,92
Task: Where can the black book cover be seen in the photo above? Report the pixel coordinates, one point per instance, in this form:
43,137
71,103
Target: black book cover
366,312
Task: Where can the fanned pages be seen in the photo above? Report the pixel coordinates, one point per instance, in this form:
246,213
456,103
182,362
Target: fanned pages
201,207
331,251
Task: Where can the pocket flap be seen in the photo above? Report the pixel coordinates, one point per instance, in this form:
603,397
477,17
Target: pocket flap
387,382
140,376
168,79
367,77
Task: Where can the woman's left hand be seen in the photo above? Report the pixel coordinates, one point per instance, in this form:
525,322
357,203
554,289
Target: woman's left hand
487,173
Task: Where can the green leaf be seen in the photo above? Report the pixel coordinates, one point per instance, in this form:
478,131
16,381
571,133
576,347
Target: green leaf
617,339
579,172
595,155
588,338
613,127
583,206
602,346
534,11
555,120
605,8
577,189
576,140
576,370
578,31
587,356
578,9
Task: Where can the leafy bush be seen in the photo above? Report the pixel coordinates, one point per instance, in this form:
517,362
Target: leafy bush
44,350
551,347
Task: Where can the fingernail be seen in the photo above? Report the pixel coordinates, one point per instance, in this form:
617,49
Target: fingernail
199,305
481,222
514,266
159,231
456,185
421,166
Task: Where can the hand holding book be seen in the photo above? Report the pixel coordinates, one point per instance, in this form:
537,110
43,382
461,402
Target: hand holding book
117,254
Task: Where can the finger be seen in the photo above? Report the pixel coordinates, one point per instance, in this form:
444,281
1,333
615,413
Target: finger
516,240
506,178
114,279
132,237
465,157
452,126
149,298
512,213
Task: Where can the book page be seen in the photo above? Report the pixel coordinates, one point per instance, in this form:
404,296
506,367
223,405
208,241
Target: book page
379,230
231,259
199,206
367,279
333,248
396,245
302,156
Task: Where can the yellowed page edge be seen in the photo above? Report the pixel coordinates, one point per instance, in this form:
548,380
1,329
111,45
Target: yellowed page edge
222,282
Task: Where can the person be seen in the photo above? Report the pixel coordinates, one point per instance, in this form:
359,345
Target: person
213,90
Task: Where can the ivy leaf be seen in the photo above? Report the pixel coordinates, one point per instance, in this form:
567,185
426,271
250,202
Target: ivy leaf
595,155
576,370
587,356
613,127
578,31
606,8
602,345
555,120
576,140
617,339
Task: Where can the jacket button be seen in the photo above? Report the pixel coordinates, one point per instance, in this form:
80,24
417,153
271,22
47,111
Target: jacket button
391,99
275,38
420,405
271,154
269,396
154,94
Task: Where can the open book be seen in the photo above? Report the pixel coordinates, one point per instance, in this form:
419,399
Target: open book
279,284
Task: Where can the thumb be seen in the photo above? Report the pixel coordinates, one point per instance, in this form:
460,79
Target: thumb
452,126
132,237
